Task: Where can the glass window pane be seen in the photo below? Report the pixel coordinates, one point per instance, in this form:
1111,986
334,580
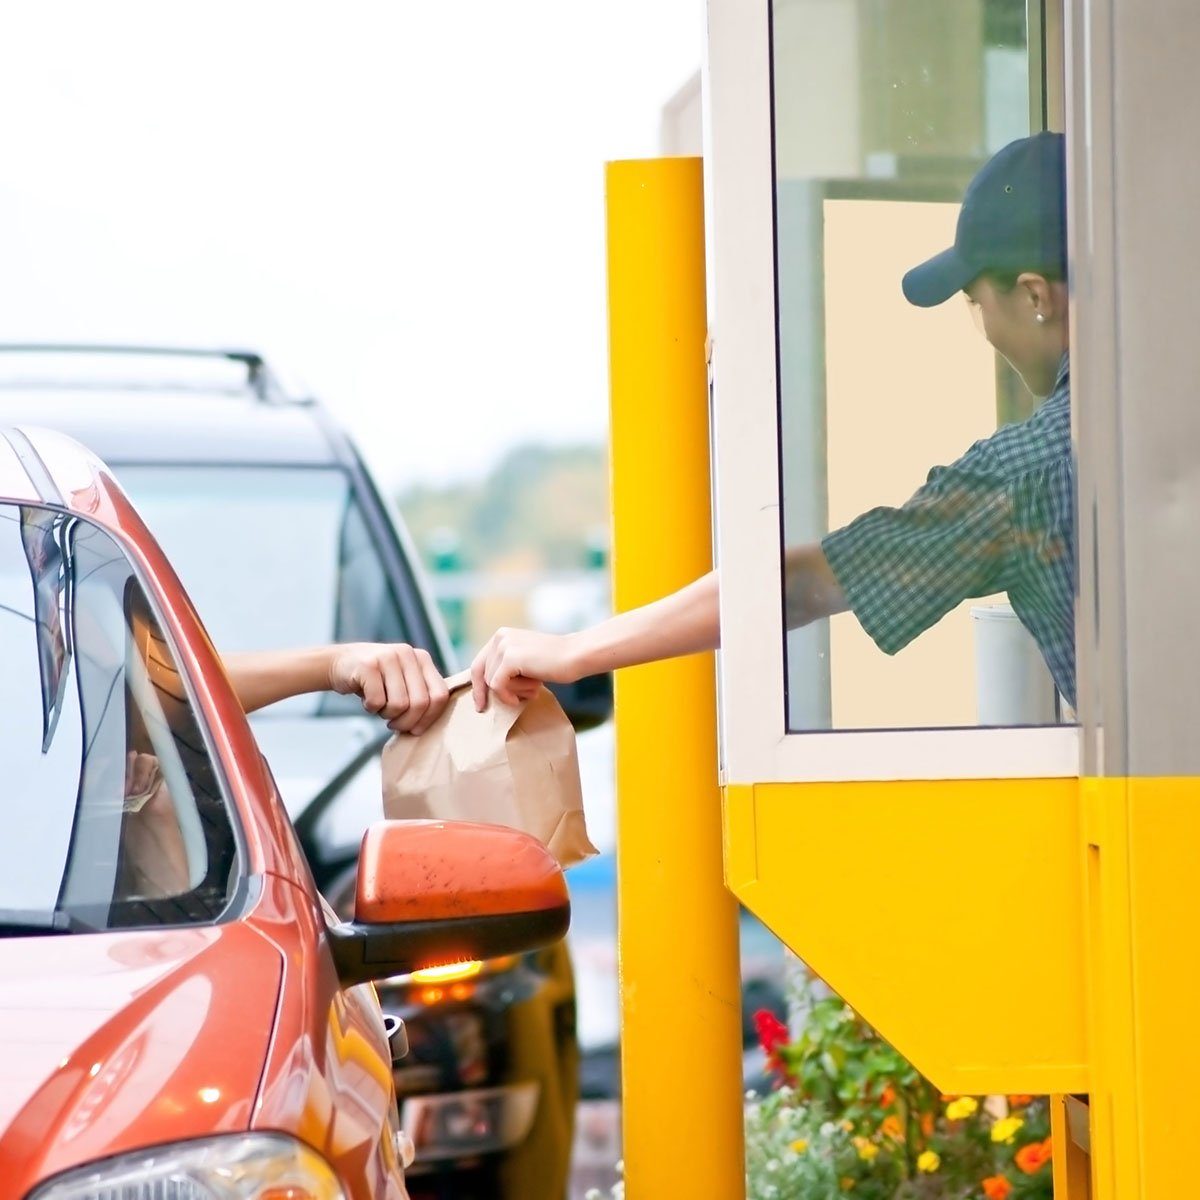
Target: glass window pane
943,550
273,558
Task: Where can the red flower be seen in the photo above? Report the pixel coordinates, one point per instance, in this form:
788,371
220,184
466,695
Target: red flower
1034,1157
772,1032
773,1036
996,1187
887,1097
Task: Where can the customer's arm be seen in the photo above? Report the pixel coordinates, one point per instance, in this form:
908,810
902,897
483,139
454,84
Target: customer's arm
399,683
685,622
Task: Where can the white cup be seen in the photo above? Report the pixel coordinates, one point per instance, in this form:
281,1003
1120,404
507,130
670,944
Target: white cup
1012,684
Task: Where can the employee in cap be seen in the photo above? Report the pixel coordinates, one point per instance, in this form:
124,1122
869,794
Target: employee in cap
999,519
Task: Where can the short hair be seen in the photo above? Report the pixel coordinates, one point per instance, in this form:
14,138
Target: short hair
1005,281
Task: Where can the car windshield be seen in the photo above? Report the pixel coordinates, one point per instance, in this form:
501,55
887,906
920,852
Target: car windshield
272,557
113,811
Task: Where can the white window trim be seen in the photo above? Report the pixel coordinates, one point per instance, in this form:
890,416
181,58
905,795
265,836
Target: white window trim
739,203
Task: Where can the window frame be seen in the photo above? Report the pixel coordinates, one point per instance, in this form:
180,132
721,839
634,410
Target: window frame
743,314
239,887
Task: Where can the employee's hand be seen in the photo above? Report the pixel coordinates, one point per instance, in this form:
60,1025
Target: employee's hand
515,662
396,682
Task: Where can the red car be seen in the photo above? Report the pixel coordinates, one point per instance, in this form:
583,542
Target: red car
181,1016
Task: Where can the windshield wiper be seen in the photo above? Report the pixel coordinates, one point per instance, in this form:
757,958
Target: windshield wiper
32,922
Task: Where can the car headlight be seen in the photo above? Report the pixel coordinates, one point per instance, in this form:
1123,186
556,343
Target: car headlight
249,1166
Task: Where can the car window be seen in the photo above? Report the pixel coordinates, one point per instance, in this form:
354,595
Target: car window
273,557
114,814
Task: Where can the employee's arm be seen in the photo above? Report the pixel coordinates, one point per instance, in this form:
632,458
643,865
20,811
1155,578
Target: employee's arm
514,661
685,622
399,683
811,589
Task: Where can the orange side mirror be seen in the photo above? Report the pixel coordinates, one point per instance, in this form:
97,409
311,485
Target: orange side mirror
432,892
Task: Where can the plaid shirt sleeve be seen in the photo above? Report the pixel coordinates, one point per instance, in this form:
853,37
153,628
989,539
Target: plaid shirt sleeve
902,569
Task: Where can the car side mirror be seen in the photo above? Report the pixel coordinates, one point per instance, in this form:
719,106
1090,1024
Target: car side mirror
437,892
587,702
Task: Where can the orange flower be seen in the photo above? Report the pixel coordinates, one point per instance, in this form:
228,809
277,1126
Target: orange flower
893,1128
887,1097
927,1124
1019,1101
996,1187
1034,1157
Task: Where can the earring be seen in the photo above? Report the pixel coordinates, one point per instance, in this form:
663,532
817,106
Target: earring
1040,318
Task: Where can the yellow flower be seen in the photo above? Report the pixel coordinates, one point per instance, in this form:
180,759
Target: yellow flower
1006,1129
928,1162
866,1150
962,1108
847,1184
848,1126
799,1145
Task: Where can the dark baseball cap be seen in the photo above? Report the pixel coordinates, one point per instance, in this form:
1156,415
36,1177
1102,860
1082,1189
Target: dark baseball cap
1013,218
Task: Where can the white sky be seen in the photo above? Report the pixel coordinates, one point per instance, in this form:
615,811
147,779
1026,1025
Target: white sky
402,202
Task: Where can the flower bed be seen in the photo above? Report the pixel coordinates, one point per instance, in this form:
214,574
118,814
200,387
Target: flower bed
851,1119
851,1116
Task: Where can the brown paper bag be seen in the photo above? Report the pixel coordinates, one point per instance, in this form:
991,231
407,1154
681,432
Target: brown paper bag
514,766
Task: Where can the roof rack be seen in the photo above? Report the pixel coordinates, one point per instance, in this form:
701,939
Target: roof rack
261,380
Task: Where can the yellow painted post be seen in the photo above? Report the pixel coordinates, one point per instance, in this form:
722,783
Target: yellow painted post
680,995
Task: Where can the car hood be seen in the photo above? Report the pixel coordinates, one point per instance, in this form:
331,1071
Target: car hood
114,1041
310,755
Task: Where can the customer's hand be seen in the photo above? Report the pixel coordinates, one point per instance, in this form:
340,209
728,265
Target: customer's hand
153,855
142,779
396,682
515,662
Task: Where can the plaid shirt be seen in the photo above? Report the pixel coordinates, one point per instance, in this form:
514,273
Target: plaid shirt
1000,519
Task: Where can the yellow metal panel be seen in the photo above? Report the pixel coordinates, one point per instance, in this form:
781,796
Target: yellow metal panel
949,914
1164,846
1144,985
1072,1168
1115,1161
741,851
680,996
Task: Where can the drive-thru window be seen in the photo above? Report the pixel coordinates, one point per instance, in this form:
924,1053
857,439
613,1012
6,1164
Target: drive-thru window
1005,694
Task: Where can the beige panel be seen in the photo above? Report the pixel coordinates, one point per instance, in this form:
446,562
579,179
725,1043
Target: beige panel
908,389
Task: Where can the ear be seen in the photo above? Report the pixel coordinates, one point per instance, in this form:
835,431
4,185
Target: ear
1042,295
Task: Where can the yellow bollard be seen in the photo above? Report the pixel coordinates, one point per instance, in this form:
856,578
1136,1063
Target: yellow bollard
680,995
